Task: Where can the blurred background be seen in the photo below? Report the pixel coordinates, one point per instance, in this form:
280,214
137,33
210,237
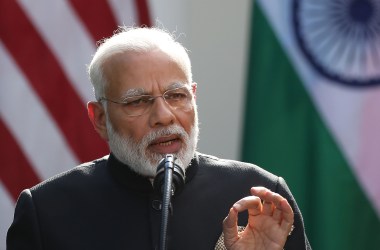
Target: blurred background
290,85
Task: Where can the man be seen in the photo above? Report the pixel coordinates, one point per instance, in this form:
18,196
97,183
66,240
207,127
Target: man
146,109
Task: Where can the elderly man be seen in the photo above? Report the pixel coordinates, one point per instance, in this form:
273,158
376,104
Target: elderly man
146,109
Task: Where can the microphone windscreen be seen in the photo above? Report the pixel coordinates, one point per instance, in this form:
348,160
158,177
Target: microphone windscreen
178,175
178,179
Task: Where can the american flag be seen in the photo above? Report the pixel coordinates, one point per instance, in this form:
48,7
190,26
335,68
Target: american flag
44,48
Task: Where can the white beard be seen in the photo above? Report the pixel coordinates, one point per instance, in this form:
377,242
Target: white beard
140,160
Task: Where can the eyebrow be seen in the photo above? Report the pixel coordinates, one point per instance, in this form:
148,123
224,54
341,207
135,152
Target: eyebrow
176,85
140,91
133,92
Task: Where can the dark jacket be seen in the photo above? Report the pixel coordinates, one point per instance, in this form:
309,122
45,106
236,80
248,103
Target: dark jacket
104,205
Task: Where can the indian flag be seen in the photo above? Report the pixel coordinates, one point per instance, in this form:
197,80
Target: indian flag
313,112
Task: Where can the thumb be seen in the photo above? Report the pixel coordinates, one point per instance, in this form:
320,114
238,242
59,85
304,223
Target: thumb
230,229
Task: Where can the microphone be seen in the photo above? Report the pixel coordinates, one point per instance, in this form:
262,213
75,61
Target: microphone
169,181
167,164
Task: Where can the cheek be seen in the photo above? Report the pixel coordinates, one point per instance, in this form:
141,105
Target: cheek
137,132
186,120
134,127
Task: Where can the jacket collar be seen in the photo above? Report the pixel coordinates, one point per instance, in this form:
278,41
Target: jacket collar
129,179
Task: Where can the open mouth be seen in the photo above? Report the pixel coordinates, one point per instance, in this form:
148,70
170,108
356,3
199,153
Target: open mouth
166,144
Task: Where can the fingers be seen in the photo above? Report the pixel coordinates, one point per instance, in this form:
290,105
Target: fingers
287,216
268,208
265,209
230,229
274,205
251,203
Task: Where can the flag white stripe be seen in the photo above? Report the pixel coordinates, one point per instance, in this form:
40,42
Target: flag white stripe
6,208
26,114
124,12
68,40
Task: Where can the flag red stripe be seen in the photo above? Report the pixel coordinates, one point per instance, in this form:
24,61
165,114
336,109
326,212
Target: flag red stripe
15,171
97,17
46,77
143,12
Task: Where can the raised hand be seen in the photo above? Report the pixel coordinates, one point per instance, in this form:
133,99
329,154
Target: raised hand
269,223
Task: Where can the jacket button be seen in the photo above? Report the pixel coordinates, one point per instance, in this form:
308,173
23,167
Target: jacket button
156,205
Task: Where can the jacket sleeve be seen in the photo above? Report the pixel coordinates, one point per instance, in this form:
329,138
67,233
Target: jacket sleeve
24,233
297,239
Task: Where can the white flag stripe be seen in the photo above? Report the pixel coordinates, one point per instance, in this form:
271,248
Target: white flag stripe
22,116
6,208
124,12
70,42
341,114
368,155
340,107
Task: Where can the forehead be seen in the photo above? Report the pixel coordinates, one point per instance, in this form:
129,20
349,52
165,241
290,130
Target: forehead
142,71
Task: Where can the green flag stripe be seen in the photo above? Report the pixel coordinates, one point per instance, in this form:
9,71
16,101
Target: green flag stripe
285,134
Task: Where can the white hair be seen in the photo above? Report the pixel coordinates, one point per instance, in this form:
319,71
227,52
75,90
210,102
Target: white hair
136,40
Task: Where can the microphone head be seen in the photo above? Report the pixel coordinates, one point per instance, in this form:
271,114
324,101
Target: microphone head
178,175
178,179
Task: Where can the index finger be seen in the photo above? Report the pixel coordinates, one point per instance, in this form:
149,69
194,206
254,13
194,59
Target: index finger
250,203
267,195
280,202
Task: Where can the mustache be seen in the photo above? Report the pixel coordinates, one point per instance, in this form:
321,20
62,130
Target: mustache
166,131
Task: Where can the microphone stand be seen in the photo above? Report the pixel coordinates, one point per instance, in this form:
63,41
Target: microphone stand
167,188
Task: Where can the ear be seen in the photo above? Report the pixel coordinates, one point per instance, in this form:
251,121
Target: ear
97,116
194,89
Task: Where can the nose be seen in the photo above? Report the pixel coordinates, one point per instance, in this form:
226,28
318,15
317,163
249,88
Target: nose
161,113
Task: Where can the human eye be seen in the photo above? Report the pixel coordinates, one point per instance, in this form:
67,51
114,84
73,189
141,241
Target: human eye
176,94
137,101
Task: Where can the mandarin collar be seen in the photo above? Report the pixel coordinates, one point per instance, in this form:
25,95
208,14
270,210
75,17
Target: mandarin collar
129,179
